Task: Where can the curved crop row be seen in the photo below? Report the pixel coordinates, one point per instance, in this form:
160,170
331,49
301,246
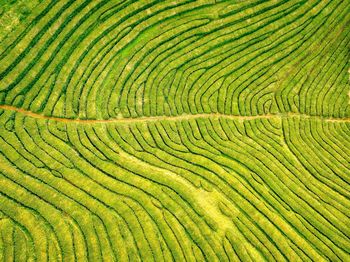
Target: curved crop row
103,59
175,130
178,189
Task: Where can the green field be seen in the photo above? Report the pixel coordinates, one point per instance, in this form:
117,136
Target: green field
174,130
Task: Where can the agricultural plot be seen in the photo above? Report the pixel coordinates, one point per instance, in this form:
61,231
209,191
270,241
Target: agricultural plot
175,130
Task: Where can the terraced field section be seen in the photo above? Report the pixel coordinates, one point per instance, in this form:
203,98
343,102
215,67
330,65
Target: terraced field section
175,130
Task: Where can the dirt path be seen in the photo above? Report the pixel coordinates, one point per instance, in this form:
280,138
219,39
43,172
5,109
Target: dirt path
173,118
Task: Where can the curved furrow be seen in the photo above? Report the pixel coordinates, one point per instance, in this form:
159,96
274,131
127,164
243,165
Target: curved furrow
315,167
61,189
174,130
124,180
144,158
264,161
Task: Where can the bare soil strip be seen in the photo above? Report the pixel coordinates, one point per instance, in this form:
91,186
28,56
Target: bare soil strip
171,118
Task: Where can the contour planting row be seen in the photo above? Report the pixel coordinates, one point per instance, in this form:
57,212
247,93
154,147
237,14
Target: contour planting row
215,188
101,59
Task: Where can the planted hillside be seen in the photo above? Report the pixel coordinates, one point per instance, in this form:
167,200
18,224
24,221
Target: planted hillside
175,130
